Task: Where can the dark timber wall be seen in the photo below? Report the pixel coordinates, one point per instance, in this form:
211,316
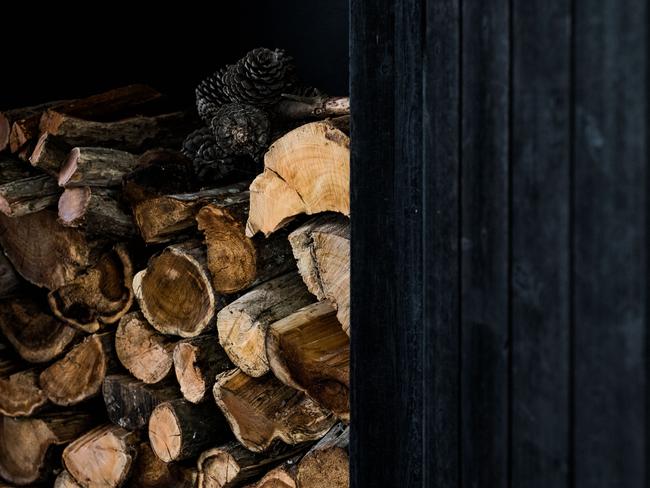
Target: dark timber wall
500,243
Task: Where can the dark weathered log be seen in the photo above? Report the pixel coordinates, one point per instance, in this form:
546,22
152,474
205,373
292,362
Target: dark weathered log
150,472
66,480
27,444
320,107
27,117
9,279
102,294
102,457
20,393
237,262
146,353
261,410
309,351
327,464
12,169
37,336
242,325
49,154
197,362
283,476
28,195
129,402
96,166
80,373
163,218
97,211
175,293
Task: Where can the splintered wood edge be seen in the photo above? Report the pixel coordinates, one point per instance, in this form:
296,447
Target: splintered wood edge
187,373
165,433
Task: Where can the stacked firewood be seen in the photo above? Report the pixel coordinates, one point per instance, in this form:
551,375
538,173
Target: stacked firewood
175,288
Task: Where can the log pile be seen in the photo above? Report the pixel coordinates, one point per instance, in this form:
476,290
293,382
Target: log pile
174,286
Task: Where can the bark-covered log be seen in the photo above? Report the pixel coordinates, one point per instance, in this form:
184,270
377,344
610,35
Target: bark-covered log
261,410
27,445
20,393
180,430
80,373
66,480
242,325
27,116
237,262
197,362
9,279
28,195
309,351
49,154
150,472
327,464
296,107
305,171
102,457
129,402
102,294
96,166
146,353
175,293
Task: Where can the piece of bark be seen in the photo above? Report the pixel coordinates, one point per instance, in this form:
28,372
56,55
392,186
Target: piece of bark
163,218
45,252
96,166
129,402
322,251
197,362
309,351
327,464
27,445
20,393
100,295
79,375
28,117
261,410
66,480
49,154
37,336
232,464
97,211
305,171
9,279
237,262
146,353
102,457
319,107
175,291
242,325
28,195
150,472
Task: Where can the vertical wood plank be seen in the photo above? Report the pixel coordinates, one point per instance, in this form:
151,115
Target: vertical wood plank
611,243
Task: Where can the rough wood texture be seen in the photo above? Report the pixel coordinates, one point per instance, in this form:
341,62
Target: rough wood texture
284,476
147,354
66,480
28,116
20,393
308,351
9,279
129,402
296,107
100,295
49,154
305,171
327,464
175,292
197,362
180,430
102,457
96,166
97,211
43,251
28,195
163,218
26,444
261,410
242,325
80,373
232,465
150,472
237,262
322,251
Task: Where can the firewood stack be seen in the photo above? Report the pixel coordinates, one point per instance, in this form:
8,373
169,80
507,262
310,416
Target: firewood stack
175,288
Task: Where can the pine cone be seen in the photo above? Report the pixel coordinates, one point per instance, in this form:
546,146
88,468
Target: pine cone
195,140
210,95
241,130
260,77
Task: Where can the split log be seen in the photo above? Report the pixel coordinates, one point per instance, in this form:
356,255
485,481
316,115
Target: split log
309,351
97,211
180,430
237,262
80,373
284,476
49,154
305,171
175,293
327,464
163,218
231,465
66,480
29,117
129,402
197,362
9,280
147,354
100,295
20,393
242,325
261,410
96,166
27,444
150,472
28,195
320,107
102,457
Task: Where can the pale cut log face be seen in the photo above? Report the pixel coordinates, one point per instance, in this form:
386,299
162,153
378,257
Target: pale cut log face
20,394
23,445
73,203
329,467
218,471
188,373
69,166
165,433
